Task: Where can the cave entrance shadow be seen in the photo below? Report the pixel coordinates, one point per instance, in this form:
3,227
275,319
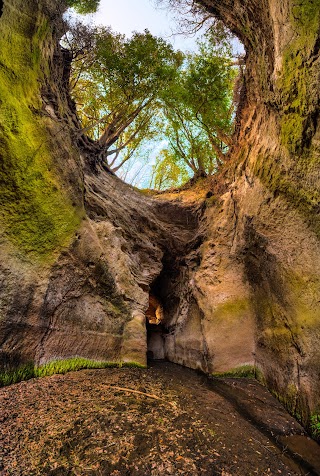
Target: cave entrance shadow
155,330
155,342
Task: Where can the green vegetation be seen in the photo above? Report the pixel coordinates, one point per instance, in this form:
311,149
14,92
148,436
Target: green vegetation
298,186
296,81
36,215
116,83
212,201
232,310
84,6
28,371
8,377
294,85
243,371
315,425
198,115
297,84
133,92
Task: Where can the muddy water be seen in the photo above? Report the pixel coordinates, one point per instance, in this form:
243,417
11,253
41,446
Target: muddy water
163,421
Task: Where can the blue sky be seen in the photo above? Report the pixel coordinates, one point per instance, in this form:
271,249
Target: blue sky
126,16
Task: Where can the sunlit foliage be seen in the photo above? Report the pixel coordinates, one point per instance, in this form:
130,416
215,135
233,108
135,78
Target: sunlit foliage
137,91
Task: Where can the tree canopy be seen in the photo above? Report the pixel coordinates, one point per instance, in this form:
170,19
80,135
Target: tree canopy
116,83
84,6
198,111
131,92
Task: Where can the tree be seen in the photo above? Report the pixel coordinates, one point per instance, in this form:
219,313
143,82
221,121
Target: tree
168,171
192,16
84,6
209,91
198,111
116,83
130,92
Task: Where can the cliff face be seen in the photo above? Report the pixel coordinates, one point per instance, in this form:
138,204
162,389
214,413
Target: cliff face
269,222
79,249
236,270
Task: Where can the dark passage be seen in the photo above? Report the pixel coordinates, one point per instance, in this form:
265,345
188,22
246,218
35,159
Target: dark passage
155,329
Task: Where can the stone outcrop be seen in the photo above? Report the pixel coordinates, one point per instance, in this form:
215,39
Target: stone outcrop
236,269
269,223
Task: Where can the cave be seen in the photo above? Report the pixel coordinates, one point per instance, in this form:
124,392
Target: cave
164,297
238,266
155,330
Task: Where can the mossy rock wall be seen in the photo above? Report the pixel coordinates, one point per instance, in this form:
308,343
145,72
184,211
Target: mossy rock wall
63,295
269,217
39,215
79,251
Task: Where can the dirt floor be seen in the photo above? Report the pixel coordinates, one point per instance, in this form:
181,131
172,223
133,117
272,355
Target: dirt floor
178,422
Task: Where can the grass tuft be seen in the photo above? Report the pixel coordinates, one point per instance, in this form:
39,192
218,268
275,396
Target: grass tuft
9,377
315,426
28,371
244,371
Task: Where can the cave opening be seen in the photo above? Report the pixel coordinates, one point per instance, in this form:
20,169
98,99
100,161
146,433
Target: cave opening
163,305
155,329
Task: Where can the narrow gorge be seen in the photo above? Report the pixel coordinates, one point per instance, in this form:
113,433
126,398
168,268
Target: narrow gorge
229,268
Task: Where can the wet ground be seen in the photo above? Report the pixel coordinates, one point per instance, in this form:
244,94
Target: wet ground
166,420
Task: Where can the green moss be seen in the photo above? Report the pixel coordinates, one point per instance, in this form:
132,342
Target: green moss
149,192
279,338
260,376
303,290
305,16
232,309
36,215
291,400
297,185
296,81
315,425
29,371
244,371
212,201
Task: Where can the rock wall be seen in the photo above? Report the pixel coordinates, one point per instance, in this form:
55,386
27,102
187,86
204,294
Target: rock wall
267,228
75,261
79,248
250,292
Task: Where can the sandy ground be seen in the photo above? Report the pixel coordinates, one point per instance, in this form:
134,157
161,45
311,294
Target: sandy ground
175,421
